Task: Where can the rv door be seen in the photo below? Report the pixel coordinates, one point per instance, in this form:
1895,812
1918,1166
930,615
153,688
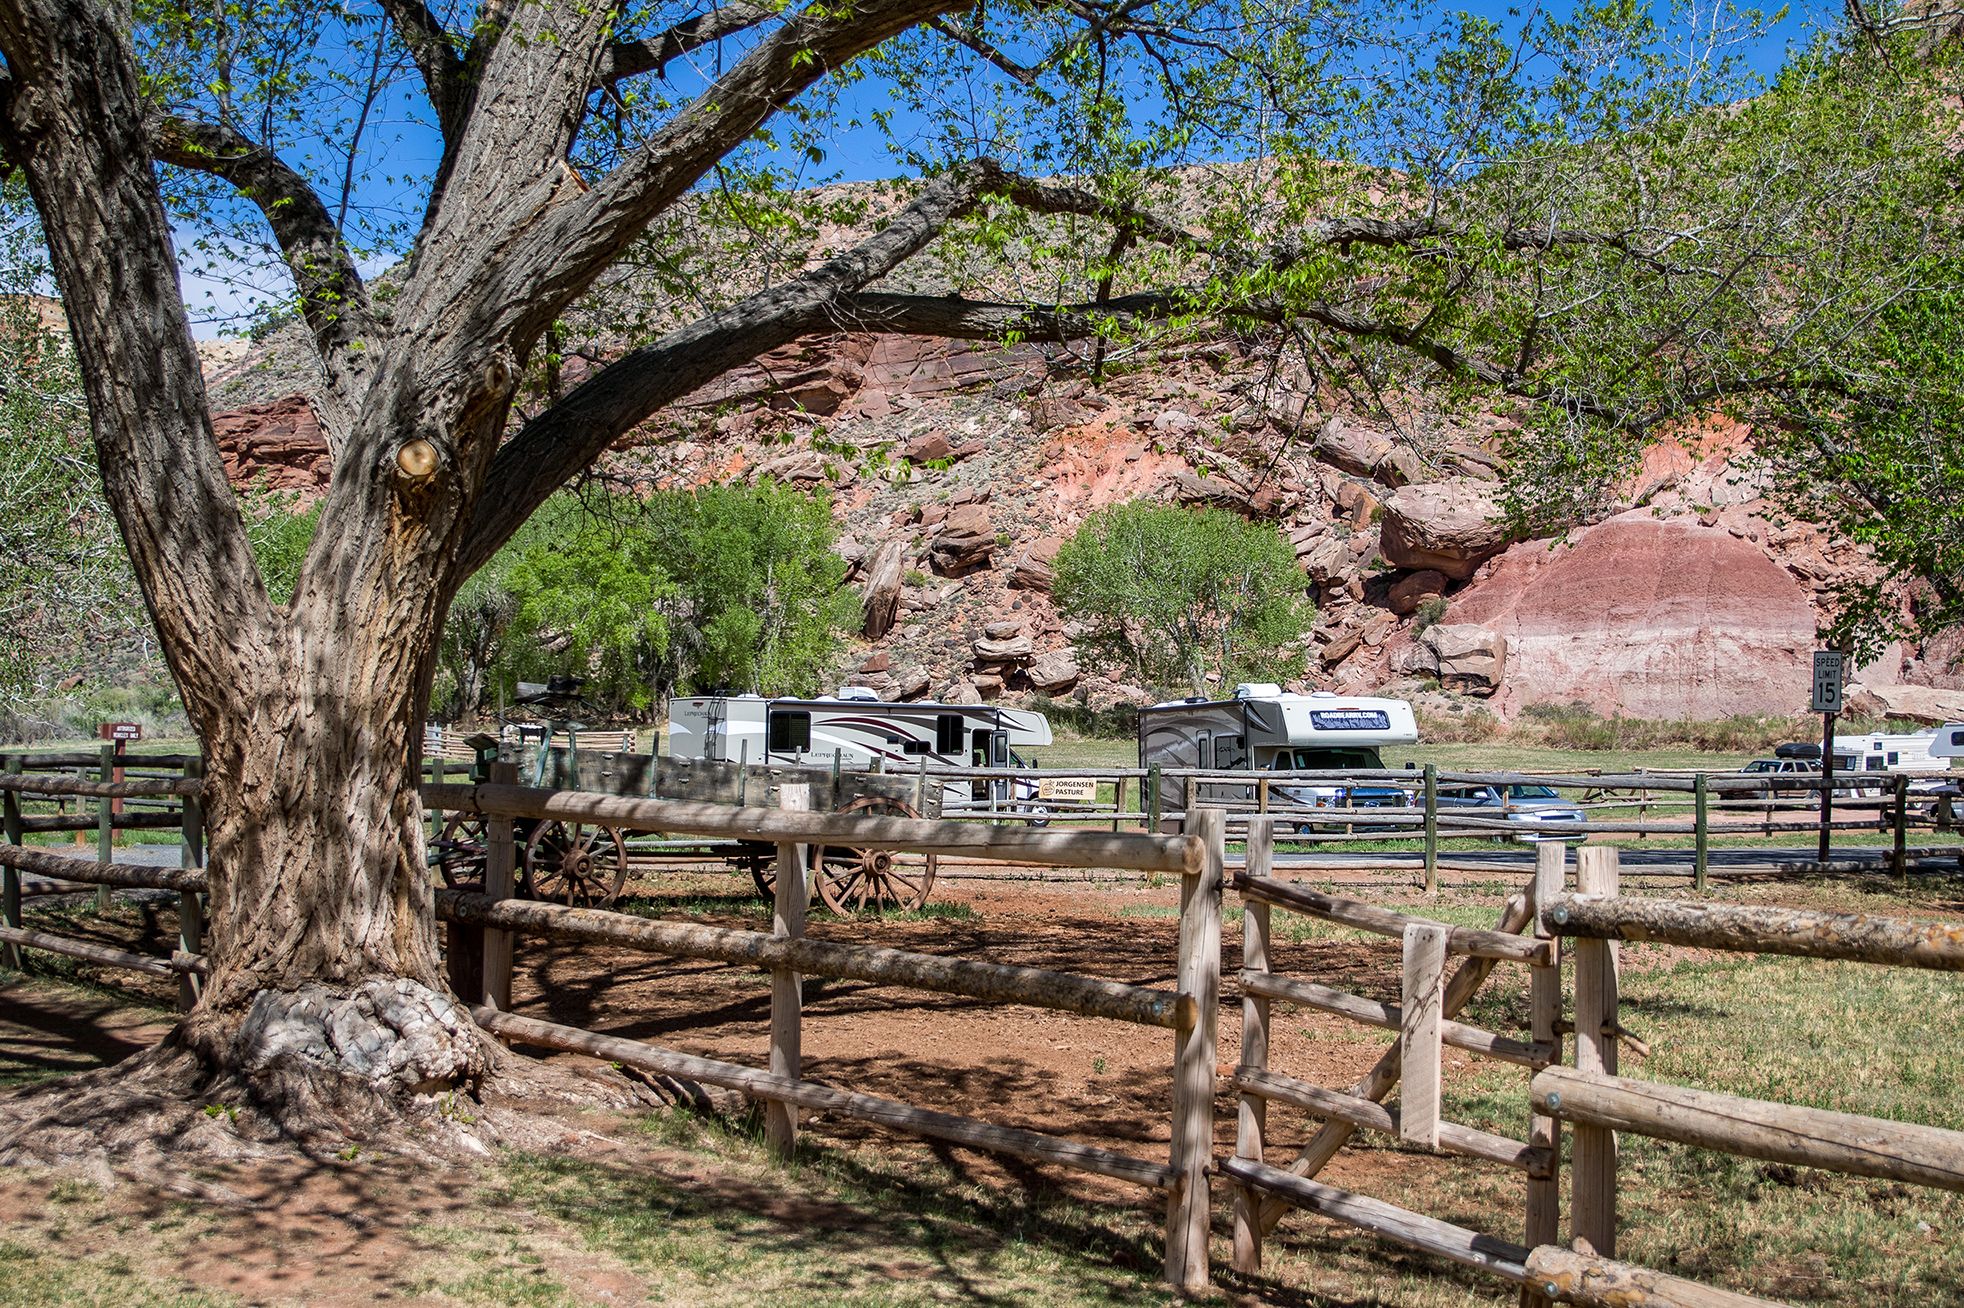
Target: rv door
715,729
990,749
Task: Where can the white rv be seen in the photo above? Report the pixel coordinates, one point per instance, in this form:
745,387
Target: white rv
1263,729
859,730
1883,752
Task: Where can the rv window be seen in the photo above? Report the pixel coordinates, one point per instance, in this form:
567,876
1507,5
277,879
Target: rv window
1337,758
1894,757
1874,763
1228,752
914,747
948,733
790,732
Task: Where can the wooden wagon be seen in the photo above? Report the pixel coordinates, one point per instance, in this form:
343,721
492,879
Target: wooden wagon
586,865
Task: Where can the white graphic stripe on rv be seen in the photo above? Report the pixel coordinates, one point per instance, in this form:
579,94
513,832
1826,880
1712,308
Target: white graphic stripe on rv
876,732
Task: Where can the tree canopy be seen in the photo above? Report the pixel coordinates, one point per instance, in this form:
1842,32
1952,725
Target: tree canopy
1194,599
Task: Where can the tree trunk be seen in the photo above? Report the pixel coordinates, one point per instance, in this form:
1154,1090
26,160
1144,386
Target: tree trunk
326,986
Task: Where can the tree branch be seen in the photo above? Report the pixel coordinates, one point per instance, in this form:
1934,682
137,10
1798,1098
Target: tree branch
333,299
964,35
71,119
626,59
568,436
443,72
581,235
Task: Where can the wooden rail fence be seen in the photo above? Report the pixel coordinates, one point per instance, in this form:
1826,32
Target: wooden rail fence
1442,966
1426,1021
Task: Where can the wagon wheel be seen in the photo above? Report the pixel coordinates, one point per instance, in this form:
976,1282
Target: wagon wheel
575,864
763,871
857,880
461,851
763,874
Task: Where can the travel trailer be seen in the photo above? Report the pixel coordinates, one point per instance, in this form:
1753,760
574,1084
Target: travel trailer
1264,729
861,731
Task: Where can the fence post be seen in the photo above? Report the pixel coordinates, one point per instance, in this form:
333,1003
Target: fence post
1701,832
1156,809
1899,856
1544,1213
105,822
1592,1211
1188,1209
1424,976
500,882
787,988
10,877
439,768
1252,1118
191,908
1118,801
1431,829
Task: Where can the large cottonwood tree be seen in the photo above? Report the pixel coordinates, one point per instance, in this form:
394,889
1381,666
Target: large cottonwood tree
1511,210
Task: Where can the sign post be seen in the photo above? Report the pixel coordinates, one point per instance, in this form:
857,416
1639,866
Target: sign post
1828,665
119,734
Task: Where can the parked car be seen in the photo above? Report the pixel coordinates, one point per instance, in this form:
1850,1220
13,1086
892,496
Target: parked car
1782,767
1536,810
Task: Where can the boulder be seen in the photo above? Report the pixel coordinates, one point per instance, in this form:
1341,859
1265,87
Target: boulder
1034,568
1017,649
800,467
1401,467
1331,561
877,661
927,448
1471,658
1005,629
1415,660
1355,505
1379,629
1054,672
884,576
910,682
987,685
1408,592
1174,423
1928,705
1450,526
966,541
960,691
1357,450
1341,646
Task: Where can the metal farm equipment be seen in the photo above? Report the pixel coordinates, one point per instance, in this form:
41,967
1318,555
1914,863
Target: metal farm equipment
586,865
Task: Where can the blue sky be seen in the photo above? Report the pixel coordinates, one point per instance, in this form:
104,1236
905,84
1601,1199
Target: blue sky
401,150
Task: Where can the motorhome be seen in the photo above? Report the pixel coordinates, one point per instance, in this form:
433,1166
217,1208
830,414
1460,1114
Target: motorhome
1264,729
859,730
1884,752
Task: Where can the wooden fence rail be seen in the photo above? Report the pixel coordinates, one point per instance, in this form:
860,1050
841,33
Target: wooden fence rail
1858,937
1752,1128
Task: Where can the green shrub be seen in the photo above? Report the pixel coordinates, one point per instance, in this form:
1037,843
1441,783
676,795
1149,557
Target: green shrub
1430,613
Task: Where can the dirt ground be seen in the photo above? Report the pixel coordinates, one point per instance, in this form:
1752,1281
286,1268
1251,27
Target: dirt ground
336,1238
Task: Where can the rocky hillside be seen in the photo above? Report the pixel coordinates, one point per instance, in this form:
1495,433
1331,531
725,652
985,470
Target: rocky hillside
956,471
